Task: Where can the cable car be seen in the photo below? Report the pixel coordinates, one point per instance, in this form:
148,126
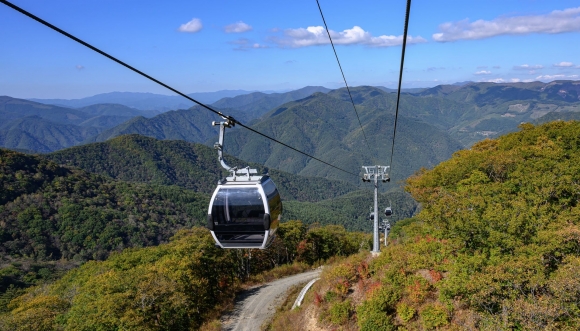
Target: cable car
388,212
245,213
244,210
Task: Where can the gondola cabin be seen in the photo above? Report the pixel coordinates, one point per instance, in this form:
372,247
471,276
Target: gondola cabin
245,213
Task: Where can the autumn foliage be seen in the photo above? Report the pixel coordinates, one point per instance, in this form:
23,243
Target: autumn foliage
495,247
176,286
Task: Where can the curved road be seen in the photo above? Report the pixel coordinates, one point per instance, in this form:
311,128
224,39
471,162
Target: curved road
254,306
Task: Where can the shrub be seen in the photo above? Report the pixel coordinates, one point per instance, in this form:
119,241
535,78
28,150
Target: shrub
339,312
433,315
373,314
330,296
418,289
385,297
372,318
405,312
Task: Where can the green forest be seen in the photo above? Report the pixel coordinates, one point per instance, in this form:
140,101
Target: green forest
131,191
175,286
53,217
495,244
495,247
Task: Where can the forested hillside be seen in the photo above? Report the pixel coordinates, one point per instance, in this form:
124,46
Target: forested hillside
54,217
32,126
496,246
465,113
175,162
490,109
175,286
194,166
52,213
326,126
39,135
352,209
193,124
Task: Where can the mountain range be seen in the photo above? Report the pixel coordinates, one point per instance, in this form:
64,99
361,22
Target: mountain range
144,101
114,177
432,124
160,102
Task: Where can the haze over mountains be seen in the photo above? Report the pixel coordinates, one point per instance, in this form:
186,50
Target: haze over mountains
144,101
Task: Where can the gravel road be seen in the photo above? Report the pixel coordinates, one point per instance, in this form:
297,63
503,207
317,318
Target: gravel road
254,306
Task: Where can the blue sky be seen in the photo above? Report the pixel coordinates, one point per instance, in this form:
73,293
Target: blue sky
203,46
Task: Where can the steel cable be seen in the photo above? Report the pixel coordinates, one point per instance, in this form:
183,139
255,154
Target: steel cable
38,19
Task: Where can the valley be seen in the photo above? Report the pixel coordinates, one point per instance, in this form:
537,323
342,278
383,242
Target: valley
81,186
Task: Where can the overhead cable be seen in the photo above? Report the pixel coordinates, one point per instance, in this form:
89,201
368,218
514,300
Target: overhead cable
400,80
343,77
38,19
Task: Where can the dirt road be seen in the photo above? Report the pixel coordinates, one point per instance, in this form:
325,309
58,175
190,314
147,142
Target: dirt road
255,306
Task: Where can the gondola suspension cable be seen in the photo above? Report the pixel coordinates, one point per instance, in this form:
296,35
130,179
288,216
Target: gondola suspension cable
343,77
38,19
408,11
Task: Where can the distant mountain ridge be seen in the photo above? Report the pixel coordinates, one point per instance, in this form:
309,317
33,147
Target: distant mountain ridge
145,101
193,125
326,126
256,104
37,134
491,108
27,125
468,112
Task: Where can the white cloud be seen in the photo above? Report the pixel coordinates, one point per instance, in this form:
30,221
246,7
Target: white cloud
496,80
555,77
483,72
256,45
192,26
245,44
528,67
79,67
316,35
237,27
550,77
515,80
564,64
558,21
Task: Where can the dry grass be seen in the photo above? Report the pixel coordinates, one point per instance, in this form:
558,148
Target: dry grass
285,317
314,312
277,273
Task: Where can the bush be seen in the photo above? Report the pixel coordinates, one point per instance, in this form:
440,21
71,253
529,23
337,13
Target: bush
433,315
339,312
405,312
373,314
372,318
